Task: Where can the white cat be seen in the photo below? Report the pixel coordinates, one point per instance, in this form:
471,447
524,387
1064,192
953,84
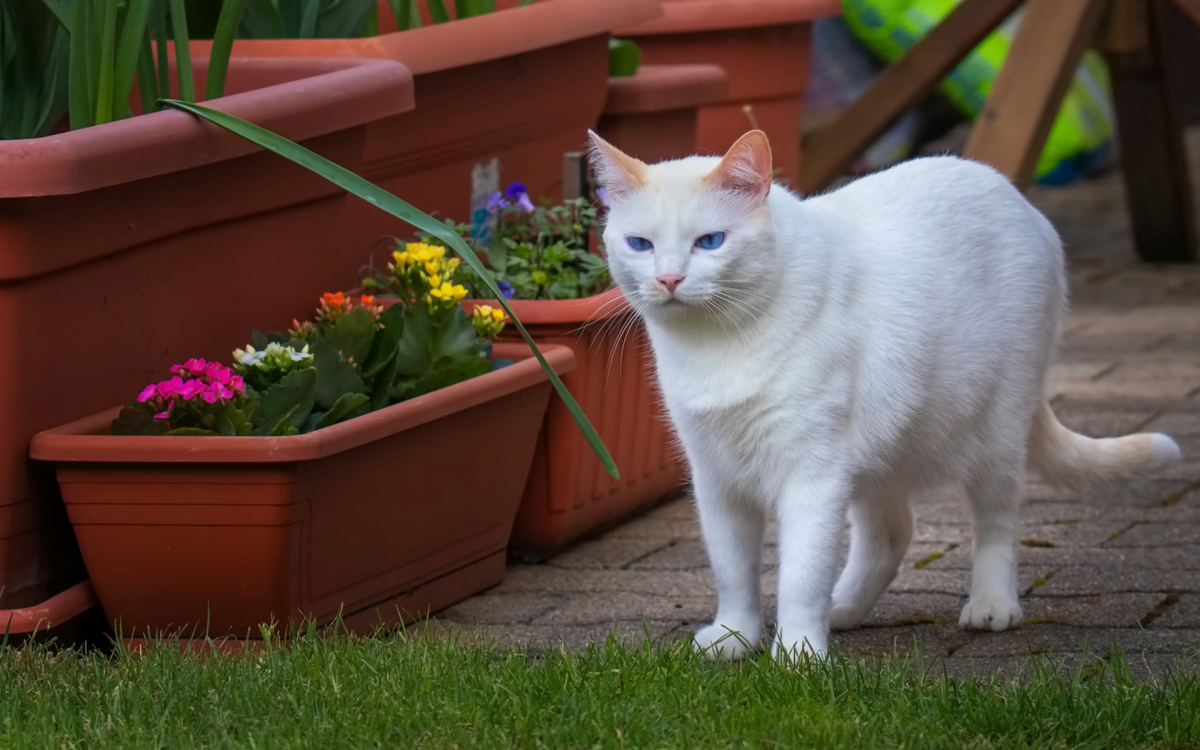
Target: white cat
836,355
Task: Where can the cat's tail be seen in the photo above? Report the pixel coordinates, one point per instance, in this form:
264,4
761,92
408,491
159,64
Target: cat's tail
1067,458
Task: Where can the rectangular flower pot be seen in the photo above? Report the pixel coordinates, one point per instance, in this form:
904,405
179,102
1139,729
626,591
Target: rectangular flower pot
764,46
502,97
652,114
128,246
569,494
384,517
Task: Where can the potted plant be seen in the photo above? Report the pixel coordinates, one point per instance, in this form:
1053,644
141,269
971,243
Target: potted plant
653,113
368,462
764,46
499,92
130,228
546,261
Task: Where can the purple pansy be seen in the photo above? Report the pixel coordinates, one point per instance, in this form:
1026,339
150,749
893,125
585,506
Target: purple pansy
495,202
506,289
515,190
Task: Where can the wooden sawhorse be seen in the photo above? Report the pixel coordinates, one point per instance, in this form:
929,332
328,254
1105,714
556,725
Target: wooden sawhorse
1025,97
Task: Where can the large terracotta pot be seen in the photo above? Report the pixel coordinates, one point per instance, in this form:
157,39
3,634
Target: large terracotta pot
384,518
764,45
128,246
653,113
502,97
569,494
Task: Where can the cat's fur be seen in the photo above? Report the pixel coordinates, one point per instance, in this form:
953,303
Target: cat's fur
837,355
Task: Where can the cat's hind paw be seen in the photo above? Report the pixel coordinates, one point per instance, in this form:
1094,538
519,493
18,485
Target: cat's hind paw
991,612
844,617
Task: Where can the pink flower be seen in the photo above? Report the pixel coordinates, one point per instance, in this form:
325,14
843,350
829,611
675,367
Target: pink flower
236,383
162,415
216,392
172,387
194,367
147,393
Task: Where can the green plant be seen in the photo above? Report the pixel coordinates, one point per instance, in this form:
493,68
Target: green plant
33,69
385,201
624,57
105,44
408,17
309,19
532,252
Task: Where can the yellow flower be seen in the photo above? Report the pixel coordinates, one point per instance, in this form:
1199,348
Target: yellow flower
488,321
498,315
452,264
433,268
422,252
448,292
435,281
401,258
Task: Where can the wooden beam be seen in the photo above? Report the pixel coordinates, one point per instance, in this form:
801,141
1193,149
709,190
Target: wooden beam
1191,8
897,88
1016,118
1150,130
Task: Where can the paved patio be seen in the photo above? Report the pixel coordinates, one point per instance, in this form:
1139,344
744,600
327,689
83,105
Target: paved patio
1098,567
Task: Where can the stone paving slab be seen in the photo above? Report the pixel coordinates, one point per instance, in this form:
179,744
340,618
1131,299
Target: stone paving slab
1098,566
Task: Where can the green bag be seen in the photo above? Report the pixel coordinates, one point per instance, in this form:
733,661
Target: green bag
1081,137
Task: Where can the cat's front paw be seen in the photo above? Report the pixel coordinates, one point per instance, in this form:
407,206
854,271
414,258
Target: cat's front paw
991,612
797,649
718,641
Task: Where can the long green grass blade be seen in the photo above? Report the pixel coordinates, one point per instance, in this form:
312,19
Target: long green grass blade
128,53
147,82
160,48
462,8
524,2
308,20
222,47
437,11
385,201
405,13
59,9
183,56
79,84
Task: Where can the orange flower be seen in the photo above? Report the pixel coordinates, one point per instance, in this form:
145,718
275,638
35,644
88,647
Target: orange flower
334,300
367,300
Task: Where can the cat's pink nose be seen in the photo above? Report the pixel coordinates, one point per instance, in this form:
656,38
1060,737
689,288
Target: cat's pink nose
670,281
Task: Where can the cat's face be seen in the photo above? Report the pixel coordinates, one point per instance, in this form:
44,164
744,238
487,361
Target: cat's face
690,237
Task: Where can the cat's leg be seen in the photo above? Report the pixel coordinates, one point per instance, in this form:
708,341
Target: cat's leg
811,512
995,491
733,534
881,528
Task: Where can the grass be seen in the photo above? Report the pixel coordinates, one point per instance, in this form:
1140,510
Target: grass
424,692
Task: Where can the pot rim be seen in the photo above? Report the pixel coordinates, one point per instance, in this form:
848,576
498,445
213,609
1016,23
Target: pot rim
686,16
83,441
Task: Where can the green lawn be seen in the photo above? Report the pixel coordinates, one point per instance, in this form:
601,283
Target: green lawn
421,692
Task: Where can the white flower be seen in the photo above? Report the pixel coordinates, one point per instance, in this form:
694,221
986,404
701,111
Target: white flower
248,356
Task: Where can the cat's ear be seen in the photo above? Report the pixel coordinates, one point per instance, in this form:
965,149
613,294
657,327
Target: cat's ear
616,170
746,167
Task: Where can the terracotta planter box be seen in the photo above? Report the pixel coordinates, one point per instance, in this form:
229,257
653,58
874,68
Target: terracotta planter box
765,47
569,494
123,248
384,517
653,113
502,97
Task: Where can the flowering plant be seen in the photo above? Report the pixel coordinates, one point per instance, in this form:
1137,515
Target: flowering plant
532,252
201,398
352,358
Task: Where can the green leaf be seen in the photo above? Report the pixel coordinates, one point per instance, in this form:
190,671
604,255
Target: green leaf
183,57
455,338
147,82
189,432
104,81
414,355
287,403
406,14
133,34
335,376
80,92
344,407
160,47
624,57
384,200
136,420
232,421
352,334
58,8
222,47
445,373
437,11
387,340
381,388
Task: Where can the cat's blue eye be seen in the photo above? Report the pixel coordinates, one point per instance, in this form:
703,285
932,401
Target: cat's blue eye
710,241
640,244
